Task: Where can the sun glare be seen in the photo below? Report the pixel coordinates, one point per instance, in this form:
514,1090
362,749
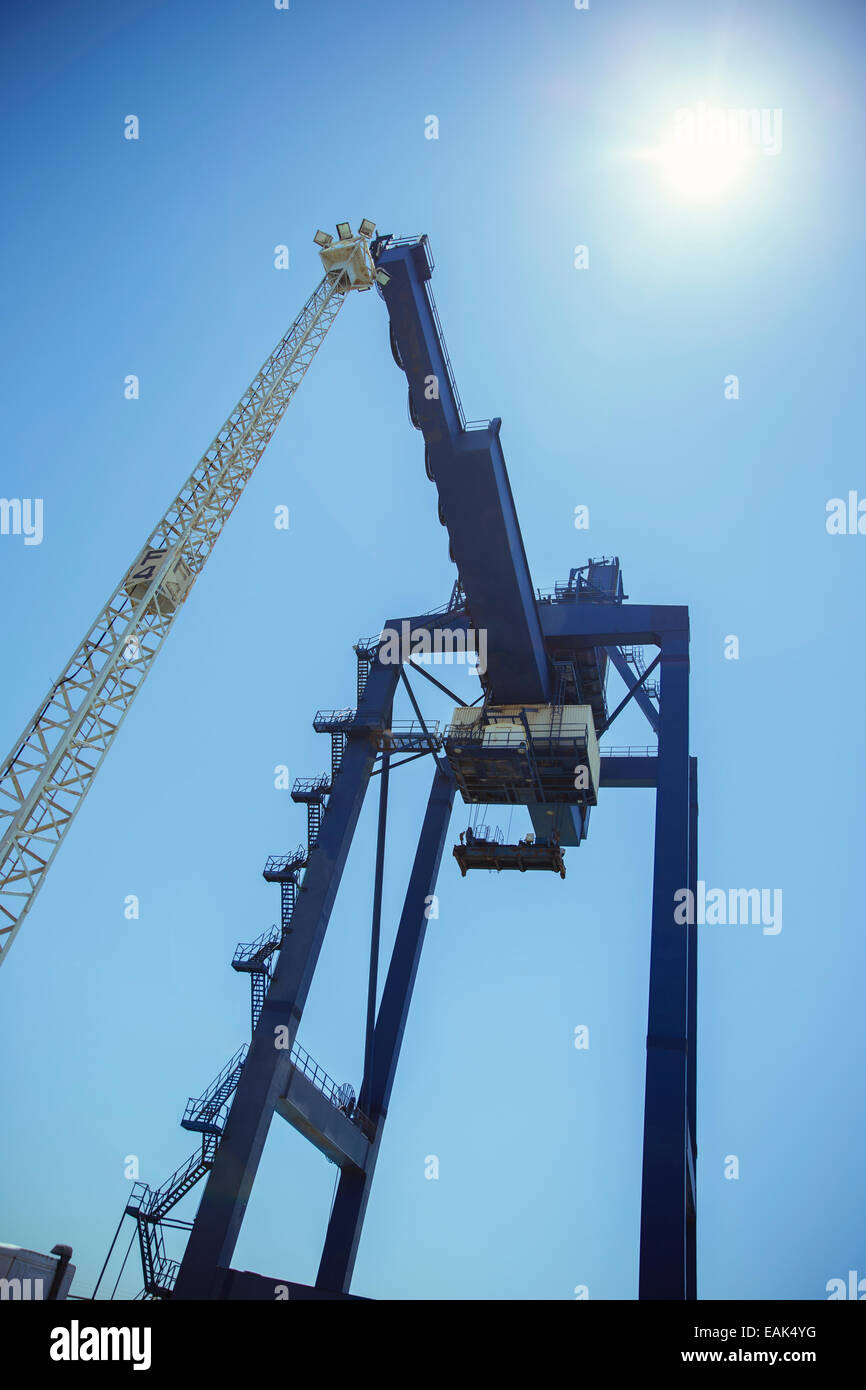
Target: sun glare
702,173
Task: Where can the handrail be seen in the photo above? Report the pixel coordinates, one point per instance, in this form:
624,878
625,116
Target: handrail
310,1068
246,950
278,862
335,716
478,732
319,783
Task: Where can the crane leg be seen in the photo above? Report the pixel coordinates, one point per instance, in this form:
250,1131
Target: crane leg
691,1090
266,1071
664,1196
344,1227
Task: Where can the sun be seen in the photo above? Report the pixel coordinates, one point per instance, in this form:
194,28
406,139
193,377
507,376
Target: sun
701,173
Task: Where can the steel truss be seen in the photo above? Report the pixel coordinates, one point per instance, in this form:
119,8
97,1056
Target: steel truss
52,765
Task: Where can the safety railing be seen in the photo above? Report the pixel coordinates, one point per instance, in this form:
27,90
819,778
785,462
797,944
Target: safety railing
494,735
311,786
309,1067
490,835
212,1107
247,951
286,863
326,719
385,241
180,1182
402,727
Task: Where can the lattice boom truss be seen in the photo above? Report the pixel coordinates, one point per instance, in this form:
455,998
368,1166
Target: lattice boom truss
52,765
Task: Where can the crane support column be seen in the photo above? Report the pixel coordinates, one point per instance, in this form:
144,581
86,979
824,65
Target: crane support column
692,1055
667,1259
266,1070
665,1199
344,1227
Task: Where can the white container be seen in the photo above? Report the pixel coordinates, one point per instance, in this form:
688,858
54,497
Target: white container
504,727
27,1275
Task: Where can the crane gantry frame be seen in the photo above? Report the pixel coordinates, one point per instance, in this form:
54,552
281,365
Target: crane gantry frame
544,655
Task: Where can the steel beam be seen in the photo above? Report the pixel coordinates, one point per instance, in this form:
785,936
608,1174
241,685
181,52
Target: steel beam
609,624
350,1204
312,1114
265,1076
475,499
692,1033
376,925
665,1175
627,771
642,700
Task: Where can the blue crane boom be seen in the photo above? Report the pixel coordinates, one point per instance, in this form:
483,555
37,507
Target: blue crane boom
468,468
476,505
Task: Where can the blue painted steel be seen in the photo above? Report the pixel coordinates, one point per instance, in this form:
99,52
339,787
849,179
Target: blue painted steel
664,1205
692,1057
570,822
584,621
475,497
609,625
266,1072
634,691
350,1203
663,1197
642,700
375,931
628,771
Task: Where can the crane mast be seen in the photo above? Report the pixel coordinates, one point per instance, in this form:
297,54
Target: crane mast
52,765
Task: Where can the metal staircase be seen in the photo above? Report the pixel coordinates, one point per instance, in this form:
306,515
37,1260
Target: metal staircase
348,1131
208,1113
635,658
256,957
312,792
150,1208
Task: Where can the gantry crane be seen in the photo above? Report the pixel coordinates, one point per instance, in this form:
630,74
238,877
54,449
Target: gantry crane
544,708
52,765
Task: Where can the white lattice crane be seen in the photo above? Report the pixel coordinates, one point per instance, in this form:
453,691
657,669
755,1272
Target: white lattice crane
52,765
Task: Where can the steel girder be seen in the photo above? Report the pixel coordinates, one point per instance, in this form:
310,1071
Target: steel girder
266,1072
668,1192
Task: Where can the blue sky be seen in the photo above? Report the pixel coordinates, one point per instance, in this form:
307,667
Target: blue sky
156,257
